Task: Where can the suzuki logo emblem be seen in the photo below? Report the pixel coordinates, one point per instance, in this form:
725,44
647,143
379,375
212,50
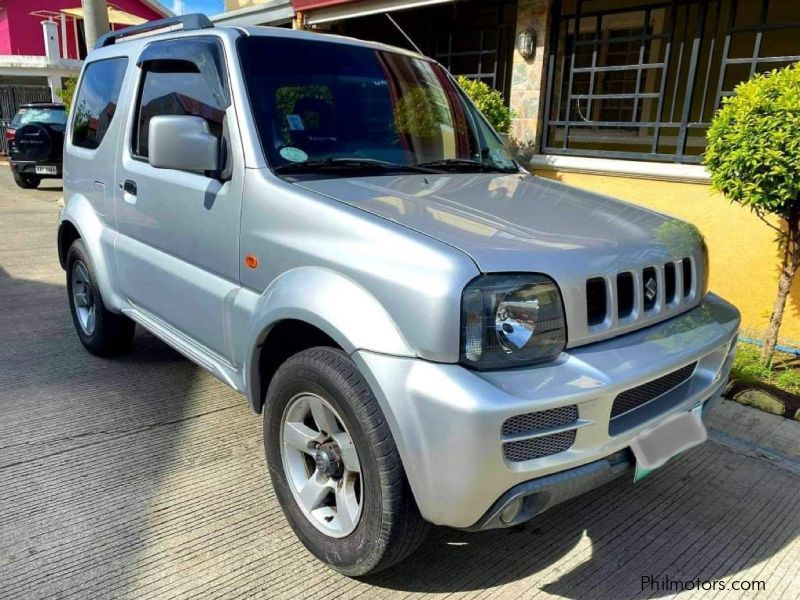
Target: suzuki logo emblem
650,289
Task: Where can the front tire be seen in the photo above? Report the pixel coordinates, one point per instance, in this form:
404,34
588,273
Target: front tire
101,332
335,467
27,182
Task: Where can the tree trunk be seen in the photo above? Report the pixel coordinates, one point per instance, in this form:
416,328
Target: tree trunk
789,266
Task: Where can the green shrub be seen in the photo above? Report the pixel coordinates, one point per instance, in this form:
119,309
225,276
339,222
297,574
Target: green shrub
68,85
783,373
490,102
753,156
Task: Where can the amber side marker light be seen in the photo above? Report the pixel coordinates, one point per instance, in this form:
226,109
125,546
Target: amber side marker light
251,261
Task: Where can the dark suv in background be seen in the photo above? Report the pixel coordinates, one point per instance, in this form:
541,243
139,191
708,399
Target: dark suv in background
35,140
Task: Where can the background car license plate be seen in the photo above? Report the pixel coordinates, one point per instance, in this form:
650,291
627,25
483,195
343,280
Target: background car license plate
655,447
45,170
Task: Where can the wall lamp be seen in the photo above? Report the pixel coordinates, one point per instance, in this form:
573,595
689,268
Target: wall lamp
526,43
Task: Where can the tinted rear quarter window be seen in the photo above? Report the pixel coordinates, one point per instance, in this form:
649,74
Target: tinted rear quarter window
96,101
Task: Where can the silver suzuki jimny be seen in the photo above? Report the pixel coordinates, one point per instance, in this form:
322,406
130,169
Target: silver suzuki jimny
432,334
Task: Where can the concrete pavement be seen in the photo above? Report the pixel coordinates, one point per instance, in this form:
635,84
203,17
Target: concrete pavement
143,477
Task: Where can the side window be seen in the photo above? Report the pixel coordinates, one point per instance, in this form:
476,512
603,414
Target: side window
96,101
184,80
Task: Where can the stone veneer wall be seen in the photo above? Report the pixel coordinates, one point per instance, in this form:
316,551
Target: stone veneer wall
528,76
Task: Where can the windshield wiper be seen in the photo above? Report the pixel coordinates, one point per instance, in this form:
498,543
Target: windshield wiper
463,165
350,163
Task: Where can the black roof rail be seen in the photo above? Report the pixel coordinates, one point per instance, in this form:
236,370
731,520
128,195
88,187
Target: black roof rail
192,21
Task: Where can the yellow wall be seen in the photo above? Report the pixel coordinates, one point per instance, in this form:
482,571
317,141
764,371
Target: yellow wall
234,4
743,254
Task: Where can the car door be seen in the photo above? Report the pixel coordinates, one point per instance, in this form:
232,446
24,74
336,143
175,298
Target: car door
178,245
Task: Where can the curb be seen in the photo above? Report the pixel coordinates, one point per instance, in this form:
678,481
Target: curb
765,397
756,433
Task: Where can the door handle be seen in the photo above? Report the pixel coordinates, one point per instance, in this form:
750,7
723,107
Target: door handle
128,188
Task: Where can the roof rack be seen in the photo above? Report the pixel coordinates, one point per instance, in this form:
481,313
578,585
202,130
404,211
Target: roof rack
191,21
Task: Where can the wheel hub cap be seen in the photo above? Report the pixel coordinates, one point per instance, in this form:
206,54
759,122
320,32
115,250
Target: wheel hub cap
329,461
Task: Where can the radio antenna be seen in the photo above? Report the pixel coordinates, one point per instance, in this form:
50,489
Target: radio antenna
405,35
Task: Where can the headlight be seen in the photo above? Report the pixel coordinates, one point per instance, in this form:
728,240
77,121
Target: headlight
511,320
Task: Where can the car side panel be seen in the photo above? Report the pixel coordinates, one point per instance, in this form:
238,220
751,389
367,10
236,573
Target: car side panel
88,182
415,279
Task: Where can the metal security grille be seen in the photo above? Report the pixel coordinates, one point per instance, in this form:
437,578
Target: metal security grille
485,59
473,38
642,79
11,98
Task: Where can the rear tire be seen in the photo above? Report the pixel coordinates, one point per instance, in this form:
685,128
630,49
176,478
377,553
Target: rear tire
27,182
101,332
386,525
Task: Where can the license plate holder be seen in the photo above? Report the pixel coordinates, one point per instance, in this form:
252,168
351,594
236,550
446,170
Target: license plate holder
653,448
46,170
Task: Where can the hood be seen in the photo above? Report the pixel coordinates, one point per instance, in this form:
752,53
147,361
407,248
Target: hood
519,222
523,223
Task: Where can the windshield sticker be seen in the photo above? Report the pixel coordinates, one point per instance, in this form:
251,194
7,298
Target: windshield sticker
295,122
293,154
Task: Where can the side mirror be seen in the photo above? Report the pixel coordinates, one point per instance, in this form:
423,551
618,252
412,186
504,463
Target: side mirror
182,142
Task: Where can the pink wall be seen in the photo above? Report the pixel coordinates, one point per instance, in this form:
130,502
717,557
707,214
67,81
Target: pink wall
21,32
5,40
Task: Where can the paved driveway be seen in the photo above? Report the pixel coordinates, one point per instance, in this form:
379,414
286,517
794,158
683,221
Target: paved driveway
143,477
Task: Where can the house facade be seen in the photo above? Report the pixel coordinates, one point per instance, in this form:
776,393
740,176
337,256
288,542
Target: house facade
20,23
610,95
42,41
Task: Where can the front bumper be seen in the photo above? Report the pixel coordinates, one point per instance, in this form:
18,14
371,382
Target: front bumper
447,420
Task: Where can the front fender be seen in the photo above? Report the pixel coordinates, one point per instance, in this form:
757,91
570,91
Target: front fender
99,241
329,301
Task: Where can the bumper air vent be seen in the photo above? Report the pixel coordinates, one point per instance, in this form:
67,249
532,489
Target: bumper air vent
635,397
539,434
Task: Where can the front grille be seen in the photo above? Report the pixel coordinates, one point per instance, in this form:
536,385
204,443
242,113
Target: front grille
669,283
650,288
626,295
686,267
596,306
537,421
632,289
539,447
636,397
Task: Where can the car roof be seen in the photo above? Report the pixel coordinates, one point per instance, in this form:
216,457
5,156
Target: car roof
133,45
314,36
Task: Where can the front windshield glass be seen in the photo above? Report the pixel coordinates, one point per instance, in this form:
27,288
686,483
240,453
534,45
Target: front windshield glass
325,106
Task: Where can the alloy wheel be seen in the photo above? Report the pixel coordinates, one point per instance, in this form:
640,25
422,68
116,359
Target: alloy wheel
83,297
321,465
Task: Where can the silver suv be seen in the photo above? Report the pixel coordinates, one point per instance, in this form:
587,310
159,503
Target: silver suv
432,334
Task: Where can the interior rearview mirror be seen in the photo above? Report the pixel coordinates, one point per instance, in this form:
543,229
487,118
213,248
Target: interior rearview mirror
182,142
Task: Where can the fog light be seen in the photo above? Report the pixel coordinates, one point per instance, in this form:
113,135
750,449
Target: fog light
511,511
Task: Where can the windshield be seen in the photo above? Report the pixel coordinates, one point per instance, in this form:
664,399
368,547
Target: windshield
51,116
316,103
